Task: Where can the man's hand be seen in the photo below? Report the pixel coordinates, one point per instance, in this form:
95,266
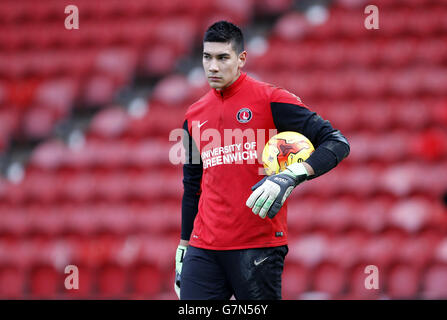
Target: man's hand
270,193
180,254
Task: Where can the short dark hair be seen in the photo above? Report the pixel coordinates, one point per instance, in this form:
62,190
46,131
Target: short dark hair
224,31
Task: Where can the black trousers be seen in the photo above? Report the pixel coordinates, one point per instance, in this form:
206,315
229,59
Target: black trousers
248,274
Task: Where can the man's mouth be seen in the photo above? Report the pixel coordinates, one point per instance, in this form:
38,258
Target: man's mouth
214,78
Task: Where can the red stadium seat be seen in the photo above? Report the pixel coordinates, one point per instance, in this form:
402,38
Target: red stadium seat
429,144
369,83
45,282
57,94
112,187
40,186
431,51
403,282
116,62
115,219
360,181
399,179
273,7
411,215
330,279
112,281
43,220
12,282
302,214
146,280
39,122
309,249
364,53
398,53
149,153
412,115
376,115
336,215
166,31
439,112
49,154
291,26
421,249
80,220
172,90
346,250
381,250
435,282
295,281
158,60
158,251
344,115
438,250
80,188
14,221
99,90
373,214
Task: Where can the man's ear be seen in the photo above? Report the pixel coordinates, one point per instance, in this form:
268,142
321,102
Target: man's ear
242,58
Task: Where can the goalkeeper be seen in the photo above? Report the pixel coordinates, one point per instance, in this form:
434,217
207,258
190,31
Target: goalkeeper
234,230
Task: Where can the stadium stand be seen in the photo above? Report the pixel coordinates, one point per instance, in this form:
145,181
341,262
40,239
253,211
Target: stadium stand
108,200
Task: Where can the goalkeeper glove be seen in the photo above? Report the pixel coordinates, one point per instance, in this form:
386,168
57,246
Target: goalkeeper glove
270,193
179,255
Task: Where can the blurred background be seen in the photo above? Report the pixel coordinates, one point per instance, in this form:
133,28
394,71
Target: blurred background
85,116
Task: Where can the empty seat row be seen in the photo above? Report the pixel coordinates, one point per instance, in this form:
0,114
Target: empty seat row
110,268
13,12
382,115
85,220
338,215
347,250
343,54
374,215
343,24
329,281
365,83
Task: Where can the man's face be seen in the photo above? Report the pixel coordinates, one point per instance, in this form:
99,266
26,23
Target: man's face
221,64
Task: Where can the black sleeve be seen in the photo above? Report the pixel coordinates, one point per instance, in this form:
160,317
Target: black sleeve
192,177
331,146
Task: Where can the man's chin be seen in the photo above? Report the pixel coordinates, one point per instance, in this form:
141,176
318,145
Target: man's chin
215,85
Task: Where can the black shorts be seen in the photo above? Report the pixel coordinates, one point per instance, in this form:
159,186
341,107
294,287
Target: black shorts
248,274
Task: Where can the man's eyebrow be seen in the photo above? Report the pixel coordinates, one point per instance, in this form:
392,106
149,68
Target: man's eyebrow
218,55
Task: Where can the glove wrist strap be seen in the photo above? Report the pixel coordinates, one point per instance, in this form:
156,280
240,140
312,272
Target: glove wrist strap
298,170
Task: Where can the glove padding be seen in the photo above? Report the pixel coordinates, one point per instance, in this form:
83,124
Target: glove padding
179,255
270,193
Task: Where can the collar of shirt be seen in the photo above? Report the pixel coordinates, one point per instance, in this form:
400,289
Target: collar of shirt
232,89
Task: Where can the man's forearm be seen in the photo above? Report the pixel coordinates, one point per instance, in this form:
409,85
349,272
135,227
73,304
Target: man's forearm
327,156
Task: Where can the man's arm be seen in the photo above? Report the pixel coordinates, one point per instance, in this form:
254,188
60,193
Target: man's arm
192,177
331,146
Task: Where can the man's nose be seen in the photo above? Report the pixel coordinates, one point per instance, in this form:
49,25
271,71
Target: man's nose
213,66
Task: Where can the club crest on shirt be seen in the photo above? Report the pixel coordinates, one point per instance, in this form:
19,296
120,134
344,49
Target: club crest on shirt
244,115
